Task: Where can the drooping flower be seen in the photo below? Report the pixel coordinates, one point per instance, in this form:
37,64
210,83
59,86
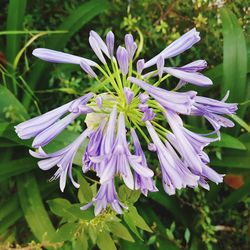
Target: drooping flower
145,184
126,106
106,195
62,158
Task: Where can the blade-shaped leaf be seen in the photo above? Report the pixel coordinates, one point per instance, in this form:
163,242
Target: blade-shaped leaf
33,208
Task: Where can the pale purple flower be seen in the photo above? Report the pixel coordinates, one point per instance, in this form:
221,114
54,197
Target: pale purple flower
160,65
111,151
145,184
143,98
59,57
94,148
120,159
62,158
99,101
140,65
87,69
185,42
129,95
47,126
190,146
213,110
97,49
105,145
122,58
130,46
100,42
175,174
180,102
148,115
106,195
110,41
189,75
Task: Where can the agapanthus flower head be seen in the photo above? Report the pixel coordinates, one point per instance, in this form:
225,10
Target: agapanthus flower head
123,119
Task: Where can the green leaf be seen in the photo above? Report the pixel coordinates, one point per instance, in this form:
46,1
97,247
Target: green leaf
16,167
84,192
14,22
120,231
241,122
228,141
234,57
128,219
65,232
104,241
138,220
128,195
33,208
81,243
59,206
75,211
10,107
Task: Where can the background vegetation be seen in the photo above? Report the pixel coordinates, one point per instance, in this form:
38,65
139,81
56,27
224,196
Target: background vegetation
34,214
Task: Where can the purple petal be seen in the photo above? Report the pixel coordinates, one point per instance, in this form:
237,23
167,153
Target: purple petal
110,41
140,65
87,69
182,44
191,77
96,48
100,42
130,46
60,57
129,94
122,58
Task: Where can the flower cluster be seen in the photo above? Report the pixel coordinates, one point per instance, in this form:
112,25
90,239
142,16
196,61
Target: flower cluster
131,107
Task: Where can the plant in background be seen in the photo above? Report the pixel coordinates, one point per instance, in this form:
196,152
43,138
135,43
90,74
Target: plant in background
130,105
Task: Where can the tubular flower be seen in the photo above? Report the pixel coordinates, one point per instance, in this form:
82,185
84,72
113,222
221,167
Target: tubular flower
127,108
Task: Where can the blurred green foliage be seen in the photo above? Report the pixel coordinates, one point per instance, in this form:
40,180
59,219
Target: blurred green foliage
33,212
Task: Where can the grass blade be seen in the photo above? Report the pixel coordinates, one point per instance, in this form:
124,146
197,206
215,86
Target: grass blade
234,58
33,208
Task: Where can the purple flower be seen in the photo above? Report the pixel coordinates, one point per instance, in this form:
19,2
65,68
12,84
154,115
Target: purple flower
122,58
176,101
97,49
87,69
59,57
140,65
148,115
175,174
188,73
100,42
143,183
143,98
106,195
120,159
185,42
111,151
94,148
160,65
47,126
99,101
62,158
129,95
110,41
190,146
213,110
130,46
